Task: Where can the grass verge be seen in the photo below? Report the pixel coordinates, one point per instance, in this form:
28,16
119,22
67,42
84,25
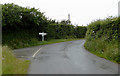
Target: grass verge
12,65
104,49
0,60
34,42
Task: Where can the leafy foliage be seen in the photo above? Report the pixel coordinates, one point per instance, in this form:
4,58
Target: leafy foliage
21,25
107,28
102,38
80,31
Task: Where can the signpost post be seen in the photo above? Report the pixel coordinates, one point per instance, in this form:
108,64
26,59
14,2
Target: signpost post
43,34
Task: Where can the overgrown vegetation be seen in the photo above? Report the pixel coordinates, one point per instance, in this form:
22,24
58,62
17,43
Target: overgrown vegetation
12,65
36,43
21,26
102,38
0,60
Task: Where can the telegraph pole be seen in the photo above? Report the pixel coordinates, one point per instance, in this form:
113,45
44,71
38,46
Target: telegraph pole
119,9
69,18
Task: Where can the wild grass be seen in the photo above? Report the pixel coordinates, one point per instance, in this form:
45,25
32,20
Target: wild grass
20,43
104,49
0,60
102,38
12,65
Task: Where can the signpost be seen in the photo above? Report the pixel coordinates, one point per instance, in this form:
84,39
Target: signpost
43,34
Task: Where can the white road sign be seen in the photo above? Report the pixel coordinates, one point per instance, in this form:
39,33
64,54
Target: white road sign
43,34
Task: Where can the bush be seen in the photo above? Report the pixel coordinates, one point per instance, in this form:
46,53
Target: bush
80,31
102,38
21,27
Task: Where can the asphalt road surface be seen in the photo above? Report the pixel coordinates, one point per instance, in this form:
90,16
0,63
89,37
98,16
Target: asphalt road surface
65,58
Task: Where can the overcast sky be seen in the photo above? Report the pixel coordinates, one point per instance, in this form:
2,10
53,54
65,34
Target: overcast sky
82,12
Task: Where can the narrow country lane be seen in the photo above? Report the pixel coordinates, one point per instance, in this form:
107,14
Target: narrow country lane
65,58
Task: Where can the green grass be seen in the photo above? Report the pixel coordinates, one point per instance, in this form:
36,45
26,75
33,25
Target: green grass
0,60
104,49
12,65
17,43
54,41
